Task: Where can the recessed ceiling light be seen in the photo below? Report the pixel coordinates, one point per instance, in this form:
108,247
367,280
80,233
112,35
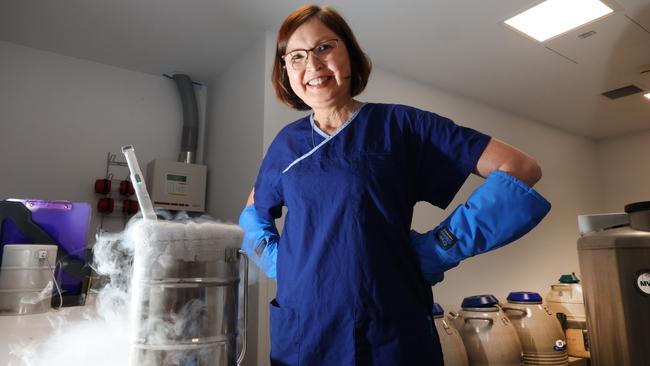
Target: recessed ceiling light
553,17
647,95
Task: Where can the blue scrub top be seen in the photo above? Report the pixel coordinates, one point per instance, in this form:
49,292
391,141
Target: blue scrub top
350,291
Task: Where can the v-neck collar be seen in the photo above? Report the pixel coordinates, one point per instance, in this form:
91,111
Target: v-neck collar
326,136
347,122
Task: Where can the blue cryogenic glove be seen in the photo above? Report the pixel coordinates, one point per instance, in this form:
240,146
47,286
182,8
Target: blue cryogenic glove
500,211
260,240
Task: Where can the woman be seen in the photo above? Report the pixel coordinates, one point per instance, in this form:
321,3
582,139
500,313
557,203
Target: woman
353,281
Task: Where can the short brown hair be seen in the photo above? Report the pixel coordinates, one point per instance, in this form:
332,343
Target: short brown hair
359,62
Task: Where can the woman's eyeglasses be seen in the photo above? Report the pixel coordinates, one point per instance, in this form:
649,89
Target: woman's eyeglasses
297,59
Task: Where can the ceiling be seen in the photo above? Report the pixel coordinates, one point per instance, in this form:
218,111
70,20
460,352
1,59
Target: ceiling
457,45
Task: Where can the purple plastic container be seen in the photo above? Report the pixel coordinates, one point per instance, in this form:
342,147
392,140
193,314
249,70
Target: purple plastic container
67,223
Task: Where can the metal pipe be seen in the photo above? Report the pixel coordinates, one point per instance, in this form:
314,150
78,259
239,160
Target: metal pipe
240,358
190,118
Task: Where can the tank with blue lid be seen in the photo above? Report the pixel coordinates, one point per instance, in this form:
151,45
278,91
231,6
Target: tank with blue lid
488,335
542,339
453,349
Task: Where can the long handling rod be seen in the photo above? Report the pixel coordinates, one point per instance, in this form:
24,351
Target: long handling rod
138,183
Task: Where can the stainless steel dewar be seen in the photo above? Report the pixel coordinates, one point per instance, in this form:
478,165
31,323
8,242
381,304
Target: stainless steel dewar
185,294
615,266
26,278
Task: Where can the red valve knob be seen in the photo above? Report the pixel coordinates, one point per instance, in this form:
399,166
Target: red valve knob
105,205
130,207
126,188
102,186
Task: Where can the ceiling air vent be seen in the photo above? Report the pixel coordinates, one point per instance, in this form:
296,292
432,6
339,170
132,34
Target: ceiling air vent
587,34
622,92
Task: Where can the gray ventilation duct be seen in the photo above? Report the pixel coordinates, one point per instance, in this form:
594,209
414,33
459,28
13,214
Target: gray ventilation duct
190,118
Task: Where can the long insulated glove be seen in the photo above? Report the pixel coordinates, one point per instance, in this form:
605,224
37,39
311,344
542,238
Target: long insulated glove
260,240
500,211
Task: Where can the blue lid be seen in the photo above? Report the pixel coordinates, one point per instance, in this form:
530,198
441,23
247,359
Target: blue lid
523,296
437,309
480,301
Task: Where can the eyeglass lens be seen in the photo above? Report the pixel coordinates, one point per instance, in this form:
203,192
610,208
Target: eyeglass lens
298,58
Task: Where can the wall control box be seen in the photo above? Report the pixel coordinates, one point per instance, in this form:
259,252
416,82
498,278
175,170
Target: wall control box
177,186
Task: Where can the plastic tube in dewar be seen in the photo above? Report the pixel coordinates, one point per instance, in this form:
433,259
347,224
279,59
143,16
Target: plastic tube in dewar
138,184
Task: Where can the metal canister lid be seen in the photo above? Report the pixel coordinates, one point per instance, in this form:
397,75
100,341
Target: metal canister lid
437,309
480,301
637,206
525,296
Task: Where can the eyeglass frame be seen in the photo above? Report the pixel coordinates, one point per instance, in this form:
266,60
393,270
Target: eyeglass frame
311,50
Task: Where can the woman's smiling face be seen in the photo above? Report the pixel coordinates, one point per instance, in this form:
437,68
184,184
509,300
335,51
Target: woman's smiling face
324,81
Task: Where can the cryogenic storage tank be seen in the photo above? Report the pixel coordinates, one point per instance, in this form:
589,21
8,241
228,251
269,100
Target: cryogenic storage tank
26,278
488,335
615,266
453,349
566,301
541,336
185,291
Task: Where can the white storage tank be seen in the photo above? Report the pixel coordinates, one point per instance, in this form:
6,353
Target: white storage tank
566,301
541,336
453,349
488,334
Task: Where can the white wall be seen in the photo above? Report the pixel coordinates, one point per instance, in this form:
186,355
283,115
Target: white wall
276,114
570,183
60,116
624,164
234,133
233,154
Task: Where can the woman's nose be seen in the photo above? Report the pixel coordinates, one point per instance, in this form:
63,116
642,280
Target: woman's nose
313,62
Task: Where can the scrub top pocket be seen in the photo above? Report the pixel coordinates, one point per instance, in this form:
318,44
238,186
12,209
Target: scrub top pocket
284,330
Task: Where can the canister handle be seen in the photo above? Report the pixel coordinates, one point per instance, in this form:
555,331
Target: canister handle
506,308
563,285
240,358
478,318
447,327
